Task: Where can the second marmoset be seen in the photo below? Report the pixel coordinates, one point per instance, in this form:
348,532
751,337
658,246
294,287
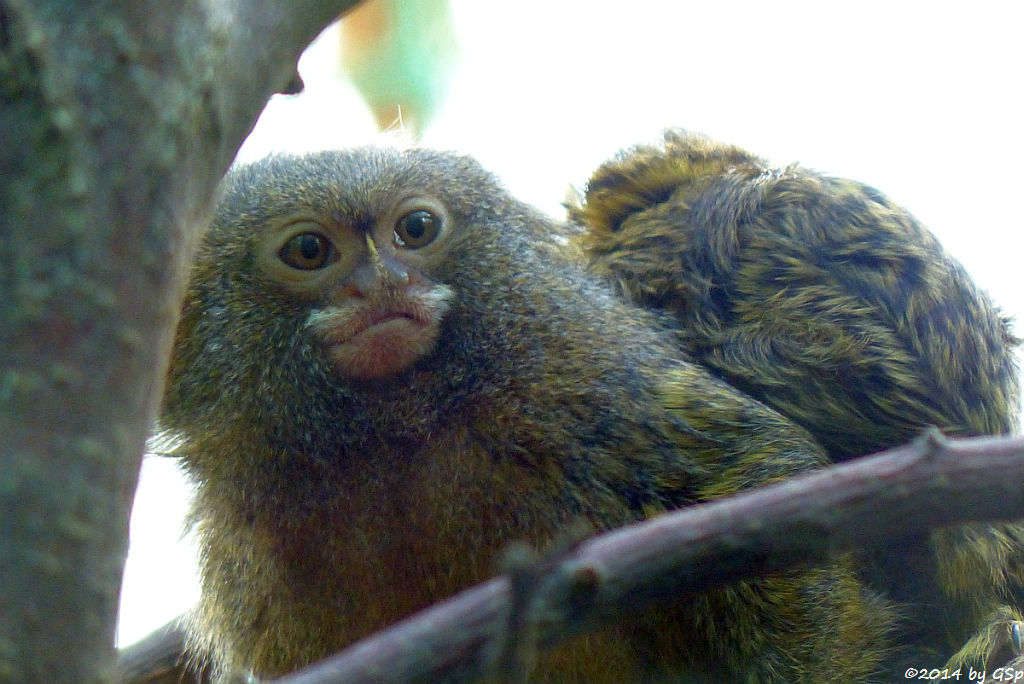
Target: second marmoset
826,300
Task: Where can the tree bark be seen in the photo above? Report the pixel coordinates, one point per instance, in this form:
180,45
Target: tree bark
116,122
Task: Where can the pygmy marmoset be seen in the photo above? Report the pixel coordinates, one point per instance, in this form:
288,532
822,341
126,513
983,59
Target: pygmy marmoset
825,300
387,368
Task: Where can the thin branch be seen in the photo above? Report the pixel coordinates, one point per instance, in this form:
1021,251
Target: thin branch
160,658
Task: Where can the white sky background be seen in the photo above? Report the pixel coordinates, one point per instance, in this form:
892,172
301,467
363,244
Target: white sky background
923,100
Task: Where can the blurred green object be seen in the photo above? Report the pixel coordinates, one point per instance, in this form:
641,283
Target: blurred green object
401,56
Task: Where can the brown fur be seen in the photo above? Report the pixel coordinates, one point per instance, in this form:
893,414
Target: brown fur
328,507
830,303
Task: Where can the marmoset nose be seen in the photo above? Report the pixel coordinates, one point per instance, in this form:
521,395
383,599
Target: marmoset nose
378,271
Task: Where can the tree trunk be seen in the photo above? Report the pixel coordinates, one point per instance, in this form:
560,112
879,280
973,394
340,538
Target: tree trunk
116,122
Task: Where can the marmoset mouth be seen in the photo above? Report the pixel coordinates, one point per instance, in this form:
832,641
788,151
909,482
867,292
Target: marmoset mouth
375,319
341,324
365,342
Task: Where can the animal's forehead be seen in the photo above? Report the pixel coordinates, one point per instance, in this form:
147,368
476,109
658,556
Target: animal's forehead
374,167
372,181
356,185
364,175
